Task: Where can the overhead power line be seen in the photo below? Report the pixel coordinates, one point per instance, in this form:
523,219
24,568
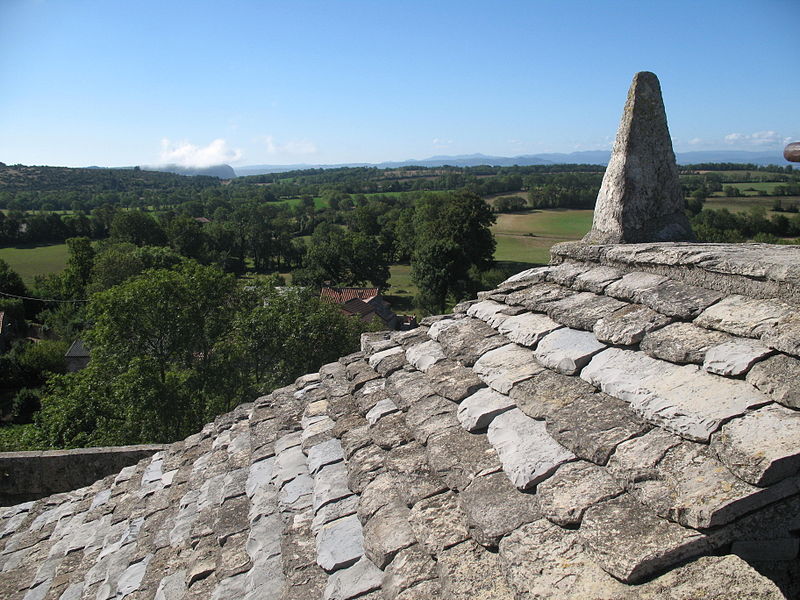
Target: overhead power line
38,299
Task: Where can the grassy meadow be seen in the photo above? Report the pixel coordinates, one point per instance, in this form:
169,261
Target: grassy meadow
30,261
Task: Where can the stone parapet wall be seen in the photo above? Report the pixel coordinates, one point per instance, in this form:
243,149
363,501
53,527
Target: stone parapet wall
753,270
28,476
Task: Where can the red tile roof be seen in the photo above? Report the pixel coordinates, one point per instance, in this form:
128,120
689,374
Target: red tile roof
342,295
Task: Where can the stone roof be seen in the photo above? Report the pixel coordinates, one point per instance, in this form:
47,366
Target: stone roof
623,423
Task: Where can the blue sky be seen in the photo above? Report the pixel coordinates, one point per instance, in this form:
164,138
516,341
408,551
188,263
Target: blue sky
112,83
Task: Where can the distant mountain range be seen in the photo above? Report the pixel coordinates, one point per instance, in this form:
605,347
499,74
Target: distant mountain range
588,157
591,157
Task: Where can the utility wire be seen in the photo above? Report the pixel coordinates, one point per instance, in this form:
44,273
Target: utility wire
38,299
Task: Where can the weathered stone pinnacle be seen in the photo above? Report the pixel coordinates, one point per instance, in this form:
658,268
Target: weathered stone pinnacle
640,199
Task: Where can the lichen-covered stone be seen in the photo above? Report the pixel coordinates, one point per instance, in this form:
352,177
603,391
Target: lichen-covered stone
573,488
469,571
777,377
386,533
627,326
677,299
409,568
631,543
457,456
682,343
503,367
477,411
567,351
689,486
761,447
528,453
583,310
527,329
438,522
593,425
746,317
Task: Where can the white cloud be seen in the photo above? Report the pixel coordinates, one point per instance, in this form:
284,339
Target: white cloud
441,143
189,155
758,139
695,141
290,147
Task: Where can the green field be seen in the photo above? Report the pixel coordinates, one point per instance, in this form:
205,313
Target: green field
526,237
745,204
30,261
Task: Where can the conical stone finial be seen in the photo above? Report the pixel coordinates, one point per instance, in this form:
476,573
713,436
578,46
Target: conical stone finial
641,199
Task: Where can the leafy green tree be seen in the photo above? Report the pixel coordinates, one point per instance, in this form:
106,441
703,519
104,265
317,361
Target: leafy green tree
137,228
161,363
291,332
78,271
10,281
343,258
452,235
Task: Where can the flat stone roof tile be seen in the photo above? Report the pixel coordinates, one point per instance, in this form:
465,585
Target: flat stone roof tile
631,543
628,325
761,447
777,377
506,366
690,486
583,310
528,454
567,350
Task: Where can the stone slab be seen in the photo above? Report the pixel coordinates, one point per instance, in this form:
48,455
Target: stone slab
489,312
477,411
503,367
573,488
340,543
567,350
566,272
528,454
326,453
690,486
388,361
543,394
628,325
761,447
597,279
386,533
676,299
453,381
742,316
423,356
583,310
785,335
470,339
682,343
633,284
335,510
735,358
538,297
527,329
381,409
330,485
354,581
683,400
777,377
631,543
457,457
